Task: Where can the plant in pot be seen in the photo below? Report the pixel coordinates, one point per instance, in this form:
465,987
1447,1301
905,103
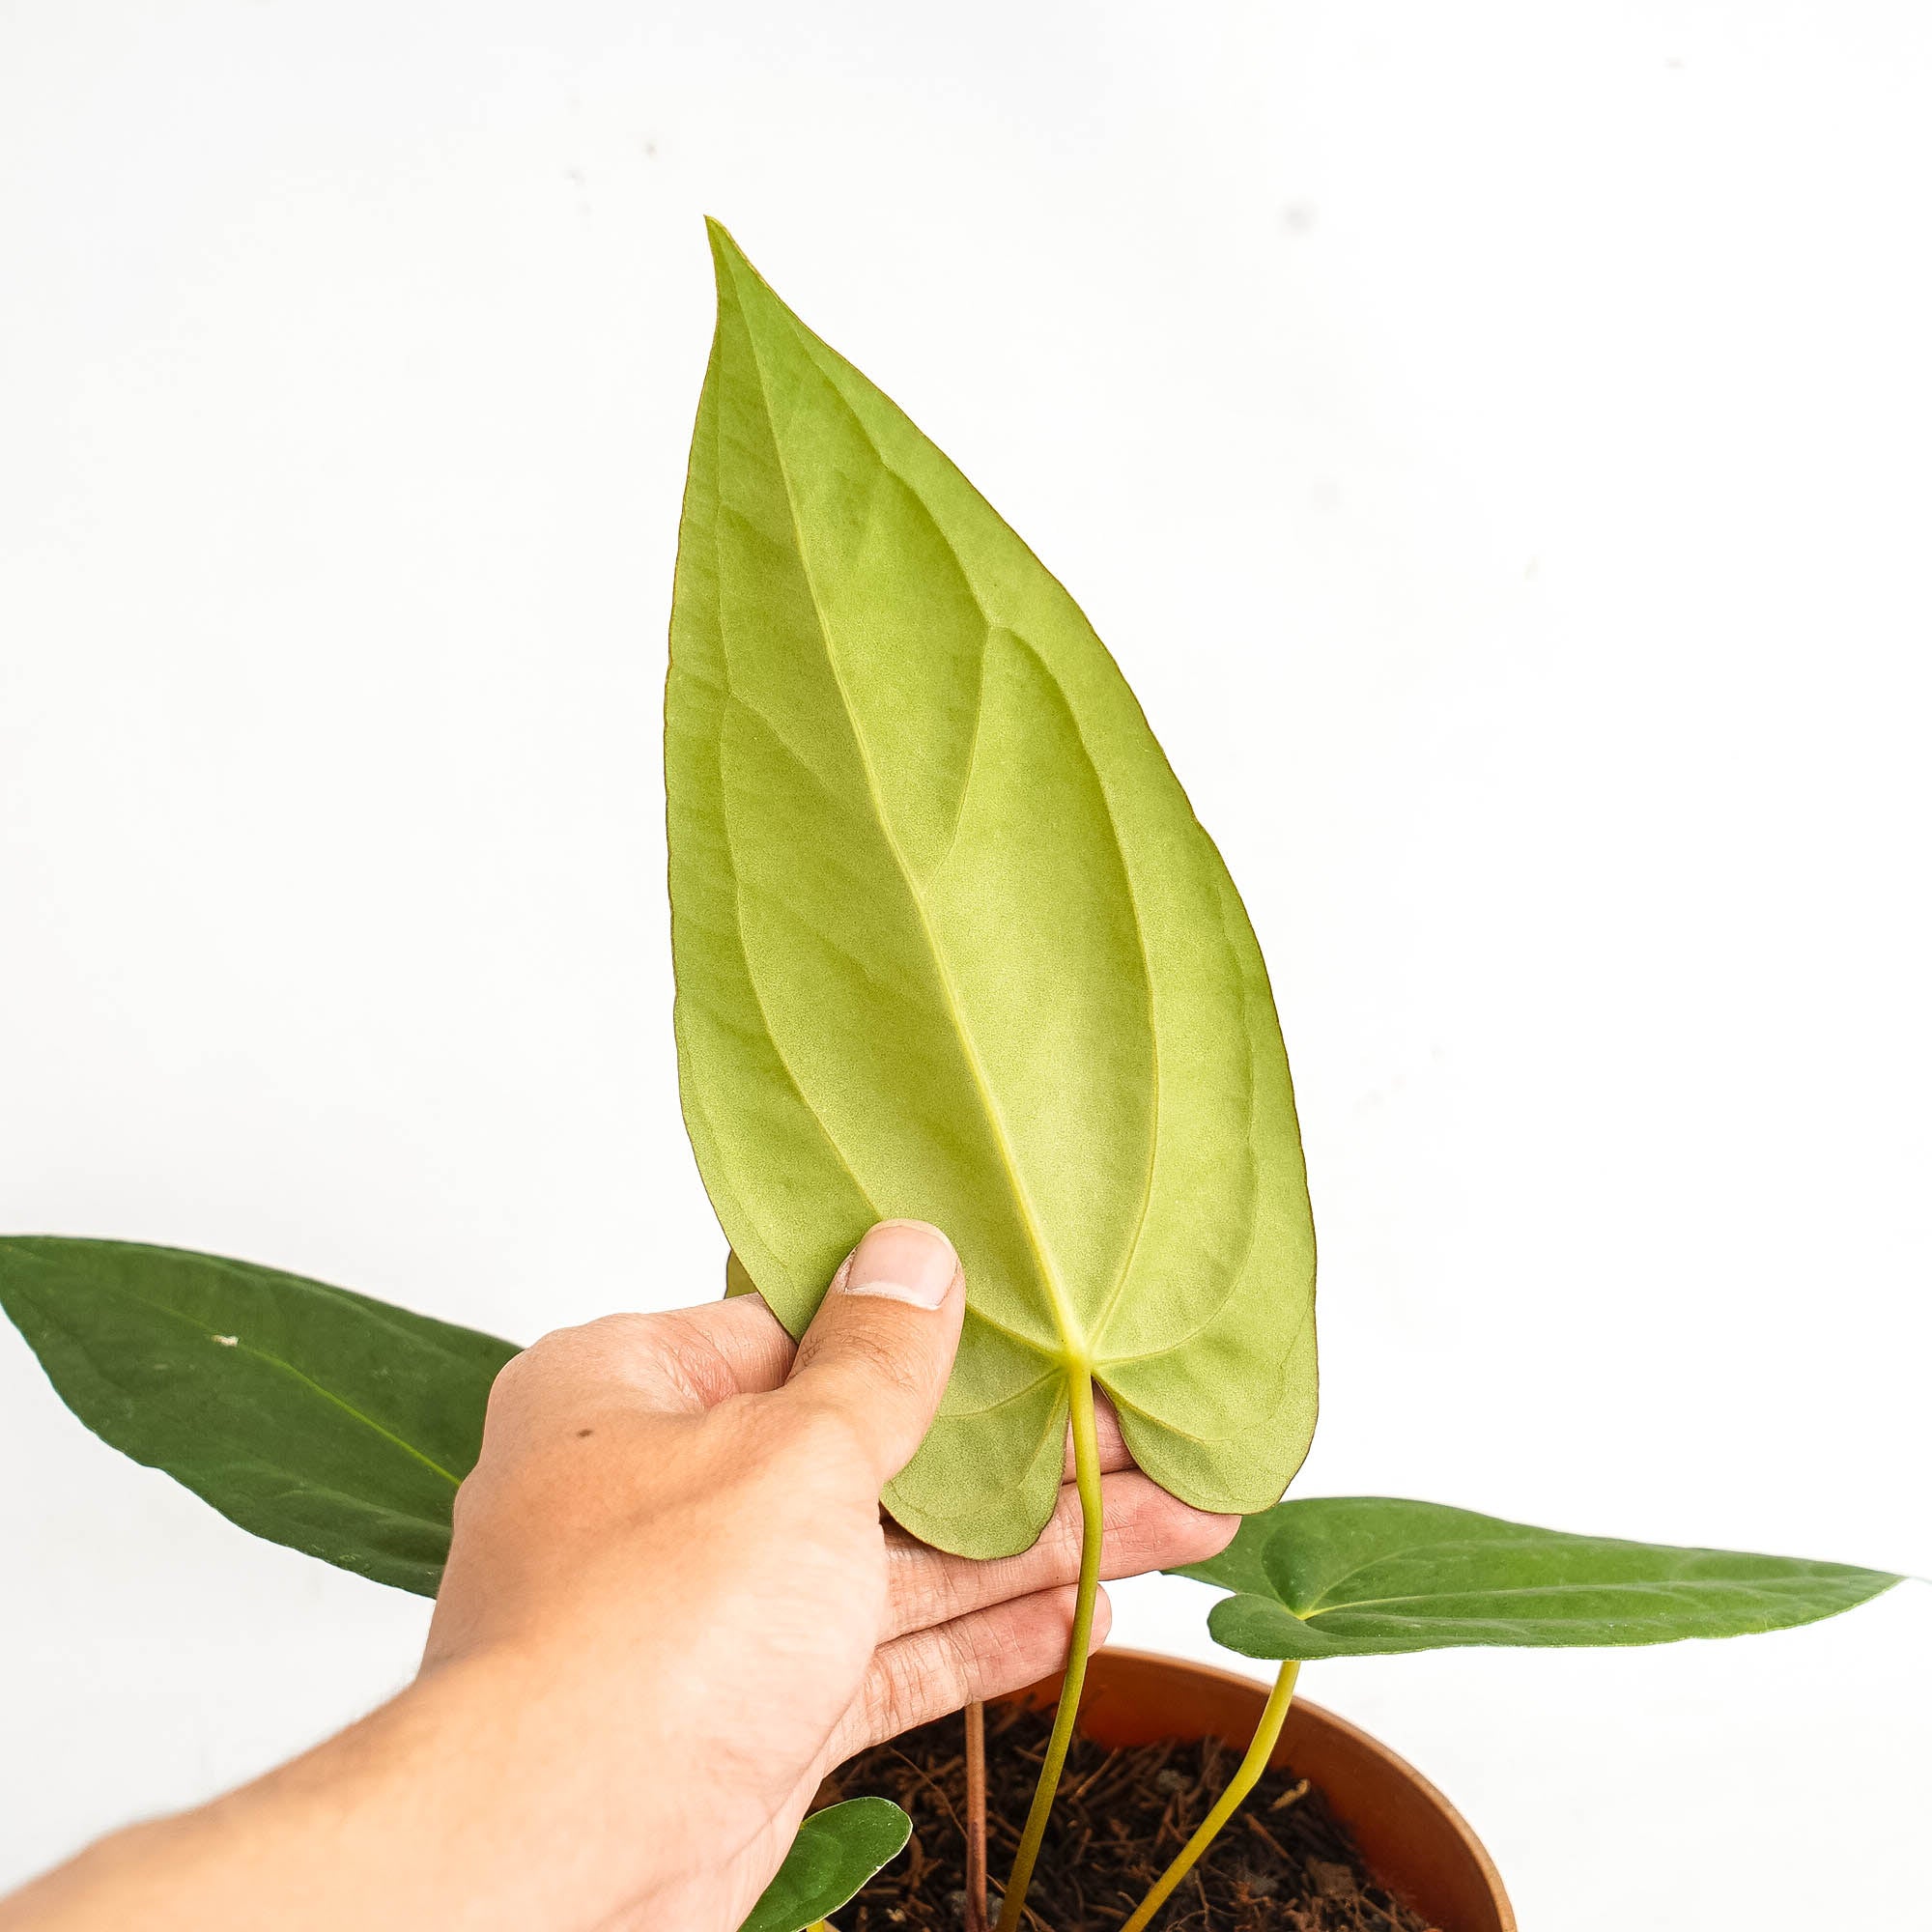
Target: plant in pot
885,716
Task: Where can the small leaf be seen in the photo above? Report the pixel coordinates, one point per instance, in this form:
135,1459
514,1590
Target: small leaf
312,1417
951,943
1370,1576
836,1850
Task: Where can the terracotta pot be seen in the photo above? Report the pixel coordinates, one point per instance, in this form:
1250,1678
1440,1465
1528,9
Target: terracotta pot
1410,1834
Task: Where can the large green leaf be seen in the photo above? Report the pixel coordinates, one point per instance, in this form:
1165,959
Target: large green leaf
951,943
1367,1575
310,1415
836,1850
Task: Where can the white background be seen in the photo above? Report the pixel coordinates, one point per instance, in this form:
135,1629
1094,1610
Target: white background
1493,438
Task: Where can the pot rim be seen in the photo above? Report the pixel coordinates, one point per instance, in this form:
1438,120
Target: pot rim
1388,1762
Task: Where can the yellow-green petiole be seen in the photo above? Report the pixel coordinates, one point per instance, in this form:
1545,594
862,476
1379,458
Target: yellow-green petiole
1266,1734
1087,1479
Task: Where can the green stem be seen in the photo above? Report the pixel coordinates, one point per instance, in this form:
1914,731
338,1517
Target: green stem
1087,1479
1266,1734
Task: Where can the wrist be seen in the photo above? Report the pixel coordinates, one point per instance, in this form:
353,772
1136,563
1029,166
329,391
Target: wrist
487,1786
467,1802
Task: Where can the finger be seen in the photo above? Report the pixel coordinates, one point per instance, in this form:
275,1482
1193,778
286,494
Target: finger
1114,1453
881,1346
683,1361
932,1672
725,1348
1146,1529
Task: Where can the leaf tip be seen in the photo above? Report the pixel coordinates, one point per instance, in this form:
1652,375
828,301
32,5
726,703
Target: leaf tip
726,254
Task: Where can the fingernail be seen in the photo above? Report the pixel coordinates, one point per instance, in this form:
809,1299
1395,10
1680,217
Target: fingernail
903,1261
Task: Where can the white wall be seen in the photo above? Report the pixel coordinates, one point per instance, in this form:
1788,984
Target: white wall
1493,439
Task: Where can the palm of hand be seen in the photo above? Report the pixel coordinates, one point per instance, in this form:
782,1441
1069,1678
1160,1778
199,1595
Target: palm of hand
675,1518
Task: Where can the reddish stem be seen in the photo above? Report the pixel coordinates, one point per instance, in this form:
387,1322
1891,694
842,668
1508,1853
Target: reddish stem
975,1818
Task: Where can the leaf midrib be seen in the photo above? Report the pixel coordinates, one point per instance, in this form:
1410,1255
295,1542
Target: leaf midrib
1075,1352
1528,1592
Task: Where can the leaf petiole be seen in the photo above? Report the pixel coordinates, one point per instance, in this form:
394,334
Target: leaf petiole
1267,1735
1087,1481
975,1817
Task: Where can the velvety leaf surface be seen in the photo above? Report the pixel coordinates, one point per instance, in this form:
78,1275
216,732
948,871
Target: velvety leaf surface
836,1850
951,943
1367,1575
312,1417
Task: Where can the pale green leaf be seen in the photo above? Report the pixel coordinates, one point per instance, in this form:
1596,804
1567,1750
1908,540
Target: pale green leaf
1368,1576
312,1417
836,1850
951,943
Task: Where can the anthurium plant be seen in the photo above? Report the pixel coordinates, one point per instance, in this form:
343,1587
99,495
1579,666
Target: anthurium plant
1056,1040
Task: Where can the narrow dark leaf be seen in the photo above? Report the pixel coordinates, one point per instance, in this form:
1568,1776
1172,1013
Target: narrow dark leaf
1367,1575
318,1418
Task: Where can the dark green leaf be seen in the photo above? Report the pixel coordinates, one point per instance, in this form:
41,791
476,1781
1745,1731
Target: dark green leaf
1366,1576
312,1417
836,1850
951,943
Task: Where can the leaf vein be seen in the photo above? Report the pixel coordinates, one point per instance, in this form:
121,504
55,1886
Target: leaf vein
1056,1297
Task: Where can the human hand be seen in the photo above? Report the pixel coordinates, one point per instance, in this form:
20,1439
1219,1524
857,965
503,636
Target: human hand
671,1607
674,1530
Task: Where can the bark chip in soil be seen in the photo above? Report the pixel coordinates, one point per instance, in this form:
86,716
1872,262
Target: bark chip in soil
1281,1864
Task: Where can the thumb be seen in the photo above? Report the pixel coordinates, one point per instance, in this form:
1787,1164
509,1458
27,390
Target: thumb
881,1346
